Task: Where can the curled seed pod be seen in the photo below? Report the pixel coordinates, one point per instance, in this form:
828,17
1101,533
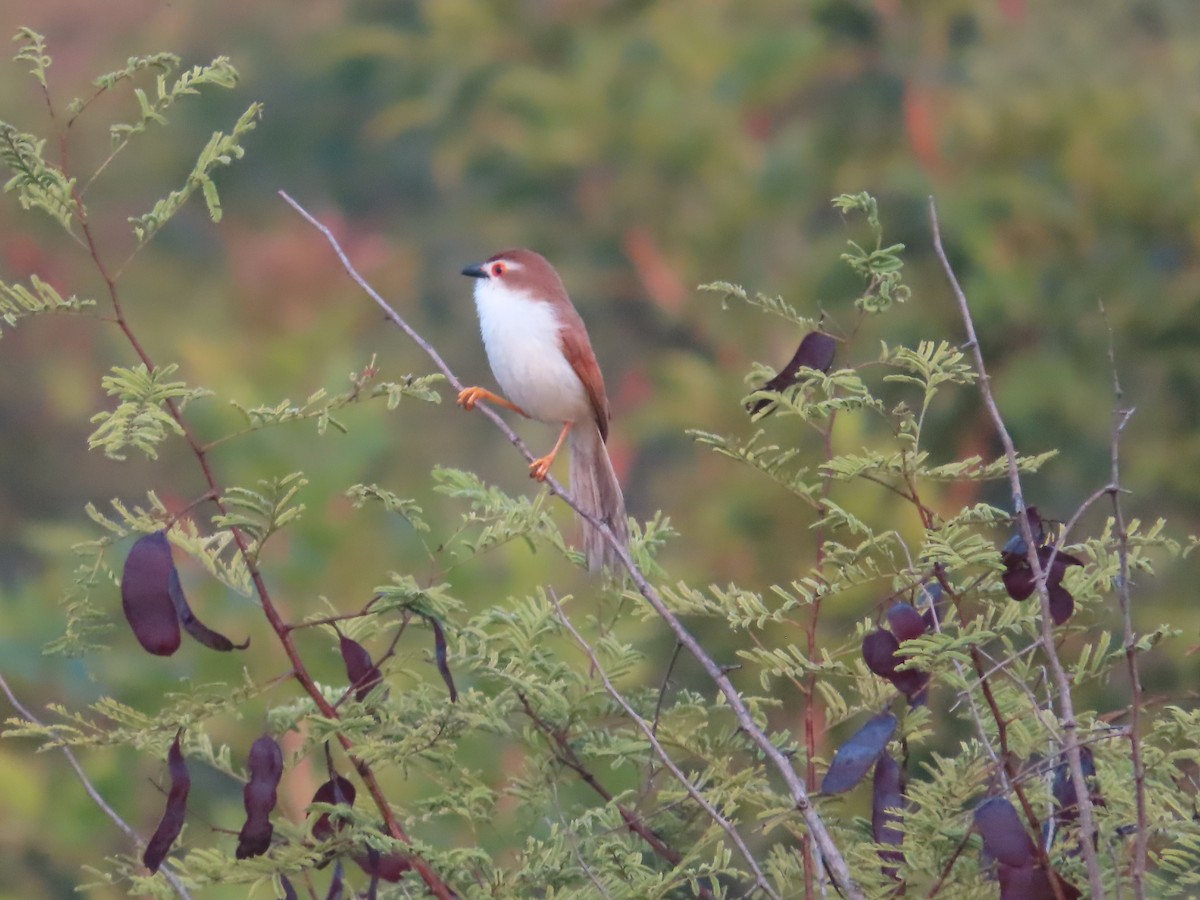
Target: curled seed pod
816,351
193,626
146,594
172,818
859,753
258,796
362,672
906,623
443,665
338,791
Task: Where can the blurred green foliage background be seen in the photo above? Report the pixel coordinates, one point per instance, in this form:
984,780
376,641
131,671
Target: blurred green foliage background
645,148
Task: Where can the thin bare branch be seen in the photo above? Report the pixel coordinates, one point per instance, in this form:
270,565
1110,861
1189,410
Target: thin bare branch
680,776
1121,418
1087,826
128,829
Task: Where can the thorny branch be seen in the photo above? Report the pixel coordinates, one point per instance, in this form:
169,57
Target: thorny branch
832,855
1070,726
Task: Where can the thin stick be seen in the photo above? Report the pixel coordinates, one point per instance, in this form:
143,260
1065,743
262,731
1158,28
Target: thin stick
1120,419
680,776
128,829
834,859
1087,826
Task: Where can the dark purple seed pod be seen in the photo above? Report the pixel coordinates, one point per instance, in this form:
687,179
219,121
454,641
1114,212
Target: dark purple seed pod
289,892
193,626
360,669
386,867
146,594
338,791
443,665
1031,882
1004,837
856,756
1062,604
816,351
1018,580
172,818
906,623
887,796
259,796
879,652
336,883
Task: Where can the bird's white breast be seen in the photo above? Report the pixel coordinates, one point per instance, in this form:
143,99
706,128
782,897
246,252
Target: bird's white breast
520,335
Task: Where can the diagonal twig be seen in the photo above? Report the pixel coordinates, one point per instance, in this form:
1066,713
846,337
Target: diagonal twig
1070,725
648,731
128,829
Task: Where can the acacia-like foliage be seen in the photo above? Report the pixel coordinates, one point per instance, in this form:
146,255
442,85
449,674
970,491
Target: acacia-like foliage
633,780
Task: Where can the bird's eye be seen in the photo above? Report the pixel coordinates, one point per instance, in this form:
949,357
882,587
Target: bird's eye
498,269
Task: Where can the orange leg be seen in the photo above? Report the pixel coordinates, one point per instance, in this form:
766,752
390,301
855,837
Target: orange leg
468,397
539,468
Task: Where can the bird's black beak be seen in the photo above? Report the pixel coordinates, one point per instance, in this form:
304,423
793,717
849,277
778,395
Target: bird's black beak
475,271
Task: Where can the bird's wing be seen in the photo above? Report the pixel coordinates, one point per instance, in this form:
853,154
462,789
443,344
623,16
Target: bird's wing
578,351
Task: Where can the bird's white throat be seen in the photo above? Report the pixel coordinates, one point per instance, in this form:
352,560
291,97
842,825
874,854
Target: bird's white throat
521,337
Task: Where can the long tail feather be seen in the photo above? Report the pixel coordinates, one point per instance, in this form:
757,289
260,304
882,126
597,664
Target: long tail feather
595,488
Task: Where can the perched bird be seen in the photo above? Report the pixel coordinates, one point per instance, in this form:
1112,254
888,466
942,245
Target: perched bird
540,354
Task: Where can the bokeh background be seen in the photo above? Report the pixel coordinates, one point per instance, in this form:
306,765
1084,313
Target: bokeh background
645,148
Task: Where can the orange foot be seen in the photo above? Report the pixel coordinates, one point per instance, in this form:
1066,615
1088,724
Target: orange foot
540,468
468,397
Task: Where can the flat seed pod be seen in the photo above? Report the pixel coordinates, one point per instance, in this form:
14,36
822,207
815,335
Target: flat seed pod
816,351
887,796
385,867
1018,580
906,623
289,892
1004,836
856,756
146,594
1029,882
172,818
879,652
259,796
337,790
360,669
193,626
443,665
336,884
1062,604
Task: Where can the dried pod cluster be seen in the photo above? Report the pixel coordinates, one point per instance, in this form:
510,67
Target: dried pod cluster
154,603
881,650
1018,577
